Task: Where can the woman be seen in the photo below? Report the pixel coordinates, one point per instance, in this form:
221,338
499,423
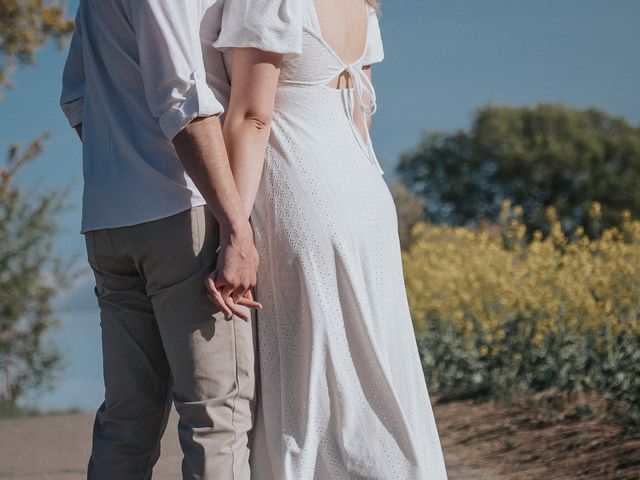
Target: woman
343,394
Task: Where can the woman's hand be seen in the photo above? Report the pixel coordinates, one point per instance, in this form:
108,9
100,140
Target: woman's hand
246,134
231,282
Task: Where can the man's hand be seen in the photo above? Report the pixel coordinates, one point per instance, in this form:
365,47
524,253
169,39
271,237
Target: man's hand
235,274
202,150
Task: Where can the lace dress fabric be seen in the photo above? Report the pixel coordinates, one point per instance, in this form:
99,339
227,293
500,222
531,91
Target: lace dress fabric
343,394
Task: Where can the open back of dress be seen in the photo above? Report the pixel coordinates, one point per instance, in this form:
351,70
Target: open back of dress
319,64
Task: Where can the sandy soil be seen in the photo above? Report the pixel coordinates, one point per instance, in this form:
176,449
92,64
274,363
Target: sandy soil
526,441
57,448
489,441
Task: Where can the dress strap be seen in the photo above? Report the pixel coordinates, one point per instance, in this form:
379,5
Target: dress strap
361,86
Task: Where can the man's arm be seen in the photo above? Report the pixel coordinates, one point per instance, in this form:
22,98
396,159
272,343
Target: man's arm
172,69
171,62
73,79
201,148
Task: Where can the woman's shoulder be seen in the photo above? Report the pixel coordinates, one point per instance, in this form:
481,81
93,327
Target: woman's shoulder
270,25
374,52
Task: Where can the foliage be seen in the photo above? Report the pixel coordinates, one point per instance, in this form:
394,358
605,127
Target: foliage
30,277
496,314
25,25
546,156
17,411
30,273
410,210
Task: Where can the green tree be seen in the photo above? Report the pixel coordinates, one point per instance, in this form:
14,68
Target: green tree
410,210
541,157
30,277
31,274
26,25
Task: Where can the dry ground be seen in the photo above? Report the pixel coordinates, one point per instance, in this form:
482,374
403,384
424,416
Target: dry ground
526,442
481,442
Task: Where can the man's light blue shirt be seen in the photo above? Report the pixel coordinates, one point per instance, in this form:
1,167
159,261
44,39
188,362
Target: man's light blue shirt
137,73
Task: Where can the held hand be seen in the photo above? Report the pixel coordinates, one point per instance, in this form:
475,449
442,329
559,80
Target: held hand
231,283
227,304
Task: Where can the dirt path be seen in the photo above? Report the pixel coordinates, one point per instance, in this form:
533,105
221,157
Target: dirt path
57,448
489,441
524,442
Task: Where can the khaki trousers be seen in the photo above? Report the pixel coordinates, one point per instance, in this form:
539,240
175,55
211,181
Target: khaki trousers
164,340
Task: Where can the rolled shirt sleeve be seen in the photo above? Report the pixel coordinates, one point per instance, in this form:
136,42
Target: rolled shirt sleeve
171,62
73,78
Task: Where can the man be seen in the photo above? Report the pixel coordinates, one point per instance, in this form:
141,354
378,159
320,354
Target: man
161,217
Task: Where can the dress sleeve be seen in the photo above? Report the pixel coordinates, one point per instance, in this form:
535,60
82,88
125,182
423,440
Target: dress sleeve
374,52
268,25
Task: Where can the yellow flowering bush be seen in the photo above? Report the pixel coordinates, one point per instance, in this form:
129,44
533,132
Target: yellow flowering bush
497,307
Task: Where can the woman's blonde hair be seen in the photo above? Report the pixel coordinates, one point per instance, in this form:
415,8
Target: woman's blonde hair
373,3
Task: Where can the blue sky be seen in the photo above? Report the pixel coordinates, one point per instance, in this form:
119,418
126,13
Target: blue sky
444,59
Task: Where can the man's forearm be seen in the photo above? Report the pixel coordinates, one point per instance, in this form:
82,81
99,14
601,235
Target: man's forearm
201,149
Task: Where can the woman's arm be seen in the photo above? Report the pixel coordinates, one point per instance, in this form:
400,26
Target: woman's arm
247,125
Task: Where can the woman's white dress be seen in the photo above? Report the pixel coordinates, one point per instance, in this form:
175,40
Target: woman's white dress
343,394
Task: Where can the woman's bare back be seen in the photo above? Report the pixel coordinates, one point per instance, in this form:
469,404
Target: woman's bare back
344,27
